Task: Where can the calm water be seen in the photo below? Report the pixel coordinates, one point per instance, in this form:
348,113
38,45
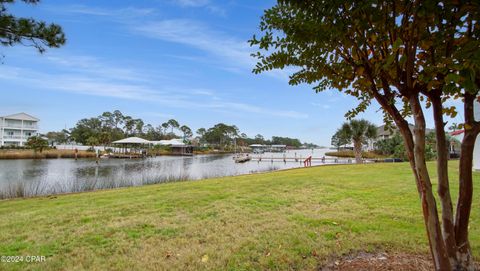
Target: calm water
35,177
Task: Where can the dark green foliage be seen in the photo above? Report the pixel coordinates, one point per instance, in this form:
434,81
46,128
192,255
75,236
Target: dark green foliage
58,137
112,126
360,46
187,132
28,31
392,146
293,142
340,138
357,132
37,143
221,135
395,147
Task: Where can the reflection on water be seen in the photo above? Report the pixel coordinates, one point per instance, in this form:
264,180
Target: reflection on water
34,177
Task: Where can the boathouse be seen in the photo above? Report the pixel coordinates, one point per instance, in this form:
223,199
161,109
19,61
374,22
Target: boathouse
177,146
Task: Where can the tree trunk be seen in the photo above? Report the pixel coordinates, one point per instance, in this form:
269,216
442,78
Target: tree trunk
448,231
430,213
464,203
357,149
404,129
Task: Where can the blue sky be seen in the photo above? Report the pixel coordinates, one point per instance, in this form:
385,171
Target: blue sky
162,59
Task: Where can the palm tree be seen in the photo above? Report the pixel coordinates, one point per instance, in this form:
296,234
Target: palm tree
358,132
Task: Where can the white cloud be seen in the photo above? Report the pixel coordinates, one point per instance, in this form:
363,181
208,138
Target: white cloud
212,8
117,14
92,65
90,76
261,110
322,105
192,3
197,35
231,54
226,52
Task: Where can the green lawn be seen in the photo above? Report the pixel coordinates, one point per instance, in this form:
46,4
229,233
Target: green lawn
293,219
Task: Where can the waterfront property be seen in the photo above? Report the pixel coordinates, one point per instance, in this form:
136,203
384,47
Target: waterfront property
26,178
17,128
288,220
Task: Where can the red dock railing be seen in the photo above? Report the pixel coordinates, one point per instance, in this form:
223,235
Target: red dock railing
308,162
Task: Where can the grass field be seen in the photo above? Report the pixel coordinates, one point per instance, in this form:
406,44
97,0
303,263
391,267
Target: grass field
287,220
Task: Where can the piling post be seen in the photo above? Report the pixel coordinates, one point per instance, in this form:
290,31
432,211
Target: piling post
97,155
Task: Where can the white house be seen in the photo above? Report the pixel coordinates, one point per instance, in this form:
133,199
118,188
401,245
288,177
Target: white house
17,128
476,149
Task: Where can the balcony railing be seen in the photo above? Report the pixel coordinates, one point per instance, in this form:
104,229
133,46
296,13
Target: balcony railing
15,137
17,126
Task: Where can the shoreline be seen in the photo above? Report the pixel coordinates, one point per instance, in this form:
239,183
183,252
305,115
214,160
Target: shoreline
15,154
54,195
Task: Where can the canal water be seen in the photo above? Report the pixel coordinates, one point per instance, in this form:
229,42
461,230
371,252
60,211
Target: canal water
52,176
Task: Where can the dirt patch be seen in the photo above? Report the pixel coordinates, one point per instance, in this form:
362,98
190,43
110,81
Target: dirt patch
380,262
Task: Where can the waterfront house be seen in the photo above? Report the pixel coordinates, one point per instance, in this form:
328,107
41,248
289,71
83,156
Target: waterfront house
17,128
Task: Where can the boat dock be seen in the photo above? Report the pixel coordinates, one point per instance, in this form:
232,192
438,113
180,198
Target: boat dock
125,155
301,159
307,161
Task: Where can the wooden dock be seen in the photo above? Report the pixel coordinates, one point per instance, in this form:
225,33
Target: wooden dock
125,155
299,159
307,161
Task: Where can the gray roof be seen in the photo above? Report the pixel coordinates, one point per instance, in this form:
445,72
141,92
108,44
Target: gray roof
21,116
381,131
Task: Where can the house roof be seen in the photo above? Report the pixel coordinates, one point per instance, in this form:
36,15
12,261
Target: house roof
459,132
382,131
173,142
132,140
21,116
257,146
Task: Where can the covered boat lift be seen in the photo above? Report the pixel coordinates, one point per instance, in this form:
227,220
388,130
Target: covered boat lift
131,147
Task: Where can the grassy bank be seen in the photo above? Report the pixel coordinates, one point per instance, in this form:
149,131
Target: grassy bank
286,220
351,154
52,153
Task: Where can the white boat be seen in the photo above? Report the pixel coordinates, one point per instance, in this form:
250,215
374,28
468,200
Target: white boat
242,158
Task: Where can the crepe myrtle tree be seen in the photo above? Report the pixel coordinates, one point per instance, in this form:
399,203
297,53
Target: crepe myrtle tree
28,31
400,54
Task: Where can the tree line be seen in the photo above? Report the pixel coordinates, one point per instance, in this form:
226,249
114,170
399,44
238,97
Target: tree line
362,132
112,126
